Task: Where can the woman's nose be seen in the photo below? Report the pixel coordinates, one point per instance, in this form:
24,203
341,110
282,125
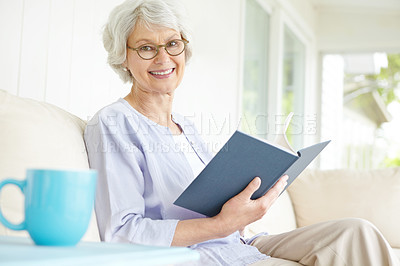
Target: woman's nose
162,56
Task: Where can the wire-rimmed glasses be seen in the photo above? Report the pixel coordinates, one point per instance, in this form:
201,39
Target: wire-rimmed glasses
149,50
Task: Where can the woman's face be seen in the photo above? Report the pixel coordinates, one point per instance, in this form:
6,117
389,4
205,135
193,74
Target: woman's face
163,73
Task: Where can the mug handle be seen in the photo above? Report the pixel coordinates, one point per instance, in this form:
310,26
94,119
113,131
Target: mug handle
21,184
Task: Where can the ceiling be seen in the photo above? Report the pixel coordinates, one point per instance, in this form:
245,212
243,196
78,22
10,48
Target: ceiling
357,4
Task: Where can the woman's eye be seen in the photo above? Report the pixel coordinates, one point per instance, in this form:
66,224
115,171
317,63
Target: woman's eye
172,43
147,48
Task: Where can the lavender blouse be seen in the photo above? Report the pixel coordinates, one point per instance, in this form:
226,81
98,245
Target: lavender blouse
141,173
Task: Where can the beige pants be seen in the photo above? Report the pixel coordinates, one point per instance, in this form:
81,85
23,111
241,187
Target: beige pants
351,242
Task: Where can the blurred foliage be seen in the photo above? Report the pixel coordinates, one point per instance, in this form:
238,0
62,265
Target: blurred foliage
392,162
387,83
388,80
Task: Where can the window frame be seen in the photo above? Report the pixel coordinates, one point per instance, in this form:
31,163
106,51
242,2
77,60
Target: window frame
282,14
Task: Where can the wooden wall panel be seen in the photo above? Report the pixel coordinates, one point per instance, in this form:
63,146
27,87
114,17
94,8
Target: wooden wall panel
11,14
106,90
59,53
52,50
82,61
35,36
100,66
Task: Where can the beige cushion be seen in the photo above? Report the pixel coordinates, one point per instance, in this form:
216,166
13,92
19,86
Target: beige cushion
373,195
36,135
279,218
397,252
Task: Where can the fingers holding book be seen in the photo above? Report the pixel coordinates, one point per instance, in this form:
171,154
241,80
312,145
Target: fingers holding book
241,210
272,195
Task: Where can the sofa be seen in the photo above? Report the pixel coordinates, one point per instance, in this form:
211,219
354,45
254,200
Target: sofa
36,134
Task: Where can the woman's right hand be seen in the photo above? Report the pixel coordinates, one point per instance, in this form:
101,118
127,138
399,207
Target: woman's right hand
241,210
236,213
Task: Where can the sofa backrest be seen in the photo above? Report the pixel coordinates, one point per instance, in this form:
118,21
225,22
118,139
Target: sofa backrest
374,195
35,134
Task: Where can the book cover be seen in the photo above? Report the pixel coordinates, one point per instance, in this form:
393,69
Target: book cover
242,158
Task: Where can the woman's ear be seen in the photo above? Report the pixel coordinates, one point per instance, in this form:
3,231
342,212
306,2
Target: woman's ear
125,66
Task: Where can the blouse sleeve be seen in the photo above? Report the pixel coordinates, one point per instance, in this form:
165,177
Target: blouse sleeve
119,204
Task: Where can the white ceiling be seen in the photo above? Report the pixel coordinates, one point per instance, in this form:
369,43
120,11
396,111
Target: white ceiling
357,4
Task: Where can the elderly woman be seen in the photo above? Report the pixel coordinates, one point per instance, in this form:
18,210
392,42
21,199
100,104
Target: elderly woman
146,155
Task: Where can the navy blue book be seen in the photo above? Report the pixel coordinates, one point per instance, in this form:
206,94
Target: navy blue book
242,158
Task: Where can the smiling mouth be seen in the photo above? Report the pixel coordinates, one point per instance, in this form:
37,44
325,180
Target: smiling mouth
163,72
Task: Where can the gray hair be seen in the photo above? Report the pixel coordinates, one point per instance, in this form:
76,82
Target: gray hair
122,21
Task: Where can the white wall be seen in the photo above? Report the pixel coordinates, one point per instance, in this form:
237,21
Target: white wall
366,30
211,87
51,50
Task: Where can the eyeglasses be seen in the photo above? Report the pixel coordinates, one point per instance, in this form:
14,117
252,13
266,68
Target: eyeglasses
149,51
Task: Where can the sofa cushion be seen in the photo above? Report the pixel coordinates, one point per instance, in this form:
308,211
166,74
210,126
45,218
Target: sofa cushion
279,218
331,194
36,135
397,252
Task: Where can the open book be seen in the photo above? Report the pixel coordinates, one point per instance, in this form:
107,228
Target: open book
242,158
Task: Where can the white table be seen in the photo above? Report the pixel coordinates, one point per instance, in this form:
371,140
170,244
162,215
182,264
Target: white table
22,251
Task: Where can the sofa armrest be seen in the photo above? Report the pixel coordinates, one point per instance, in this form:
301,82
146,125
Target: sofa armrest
36,134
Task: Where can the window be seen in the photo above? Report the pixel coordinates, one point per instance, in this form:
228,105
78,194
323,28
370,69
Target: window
293,86
360,103
255,77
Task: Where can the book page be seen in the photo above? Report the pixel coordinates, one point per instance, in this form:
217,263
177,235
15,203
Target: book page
281,139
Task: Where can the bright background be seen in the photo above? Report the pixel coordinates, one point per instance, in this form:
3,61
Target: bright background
51,50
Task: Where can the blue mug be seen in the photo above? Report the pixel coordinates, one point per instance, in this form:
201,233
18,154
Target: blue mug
58,205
